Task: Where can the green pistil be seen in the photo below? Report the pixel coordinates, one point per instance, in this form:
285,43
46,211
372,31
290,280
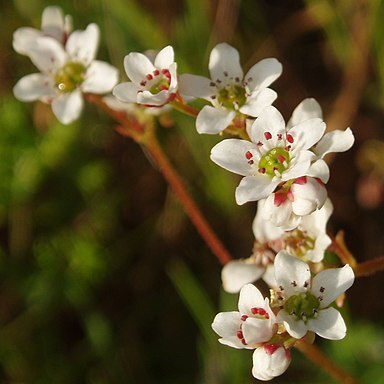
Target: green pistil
70,77
232,96
303,306
160,86
276,159
299,243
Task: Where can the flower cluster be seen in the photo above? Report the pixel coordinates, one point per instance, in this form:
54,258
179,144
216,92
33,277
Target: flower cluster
282,165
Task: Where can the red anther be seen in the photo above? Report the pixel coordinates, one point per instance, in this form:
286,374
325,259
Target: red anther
280,159
156,72
243,341
270,348
163,87
279,198
149,76
255,311
259,144
248,155
290,138
301,180
244,317
142,83
261,170
240,335
251,162
268,135
279,136
288,148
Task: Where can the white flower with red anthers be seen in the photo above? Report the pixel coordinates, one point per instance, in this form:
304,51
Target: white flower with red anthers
66,73
53,24
274,154
294,200
305,302
229,91
270,361
153,83
252,325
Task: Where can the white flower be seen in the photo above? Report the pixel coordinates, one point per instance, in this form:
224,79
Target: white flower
305,302
153,83
270,361
229,91
273,155
252,325
53,24
66,73
296,199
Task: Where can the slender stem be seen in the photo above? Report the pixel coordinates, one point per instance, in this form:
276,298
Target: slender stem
185,108
143,134
319,358
188,203
338,245
369,267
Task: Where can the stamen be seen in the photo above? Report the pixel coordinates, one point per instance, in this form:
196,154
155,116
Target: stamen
289,138
268,135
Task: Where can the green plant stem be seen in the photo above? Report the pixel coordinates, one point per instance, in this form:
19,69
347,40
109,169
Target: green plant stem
320,359
185,108
144,135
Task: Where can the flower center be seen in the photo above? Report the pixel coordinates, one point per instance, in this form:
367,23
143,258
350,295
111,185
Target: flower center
70,77
303,306
157,81
299,243
232,96
275,161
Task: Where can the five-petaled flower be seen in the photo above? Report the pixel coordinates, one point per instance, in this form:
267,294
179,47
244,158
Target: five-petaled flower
304,302
153,83
229,91
66,73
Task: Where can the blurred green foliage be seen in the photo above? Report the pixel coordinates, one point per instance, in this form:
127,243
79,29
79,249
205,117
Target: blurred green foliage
102,277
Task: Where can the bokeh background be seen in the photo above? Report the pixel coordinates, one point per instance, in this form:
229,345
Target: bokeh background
103,279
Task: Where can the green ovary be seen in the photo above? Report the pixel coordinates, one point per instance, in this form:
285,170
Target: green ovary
276,159
304,306
232,96
162,85
70,77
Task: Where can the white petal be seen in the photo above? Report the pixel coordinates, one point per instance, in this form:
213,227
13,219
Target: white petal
237,273
261,365
320,170
82,45
157,100
335,141
47,54
34,87
52,22
250,297
328,324
269,276
263,229
126,92
225,59
307,133
258,101
295,327
291,273
264,73
307,109
256,330
22,39
138,66
101,77
213,120
299,166
164,58
196,86
270,120
253,188
67,106
331,283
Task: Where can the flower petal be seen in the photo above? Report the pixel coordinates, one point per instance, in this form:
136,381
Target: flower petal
258,101
328,324
250,297
263,73
295,327
22,39
137,66
67,106
196,86
224,63
213,120
32,87
154,100
82,45
237,273
164,58
256,330
52,22
331,283
307,109
320,170
253,188
126,92
101,77
335,141
291,273
307,133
